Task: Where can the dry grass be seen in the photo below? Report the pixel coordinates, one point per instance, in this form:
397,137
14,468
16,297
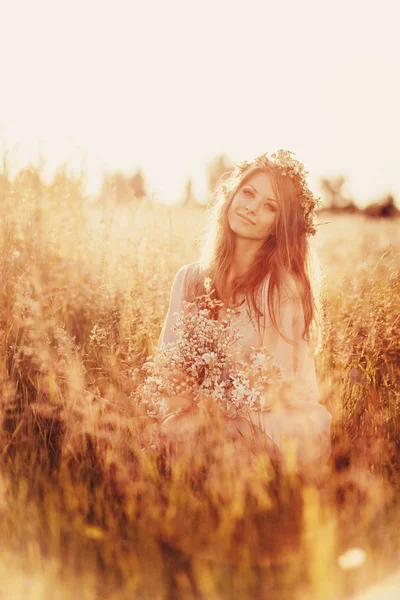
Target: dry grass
84,512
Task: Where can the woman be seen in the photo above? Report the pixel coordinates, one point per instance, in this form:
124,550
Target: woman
258,258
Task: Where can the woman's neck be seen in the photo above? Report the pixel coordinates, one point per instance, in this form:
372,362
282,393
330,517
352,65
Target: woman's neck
242,261
243,257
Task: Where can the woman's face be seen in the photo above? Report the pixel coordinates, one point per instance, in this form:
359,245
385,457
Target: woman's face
254,208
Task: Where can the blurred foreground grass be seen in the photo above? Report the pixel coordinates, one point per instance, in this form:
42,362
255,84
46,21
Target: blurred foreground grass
83,511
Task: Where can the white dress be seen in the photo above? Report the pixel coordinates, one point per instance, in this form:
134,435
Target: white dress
301,421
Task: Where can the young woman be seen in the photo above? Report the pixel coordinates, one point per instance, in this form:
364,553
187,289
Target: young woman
258,257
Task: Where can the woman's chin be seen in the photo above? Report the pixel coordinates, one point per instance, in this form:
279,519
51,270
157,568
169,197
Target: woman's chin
239,228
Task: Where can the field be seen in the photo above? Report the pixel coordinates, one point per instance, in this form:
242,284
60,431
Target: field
84,512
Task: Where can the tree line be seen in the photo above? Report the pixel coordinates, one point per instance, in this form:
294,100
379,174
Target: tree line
119,188
125,188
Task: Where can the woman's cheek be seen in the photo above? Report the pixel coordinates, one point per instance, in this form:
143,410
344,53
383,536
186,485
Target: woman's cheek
234,204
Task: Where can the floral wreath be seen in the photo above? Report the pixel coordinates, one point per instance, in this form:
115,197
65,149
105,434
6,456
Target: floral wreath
296,171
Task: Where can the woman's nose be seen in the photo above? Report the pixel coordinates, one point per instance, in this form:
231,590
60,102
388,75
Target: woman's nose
251,208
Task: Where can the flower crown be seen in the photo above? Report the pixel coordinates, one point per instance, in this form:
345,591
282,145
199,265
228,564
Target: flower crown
296,171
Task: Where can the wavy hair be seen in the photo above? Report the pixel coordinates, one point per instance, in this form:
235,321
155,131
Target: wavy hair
285,256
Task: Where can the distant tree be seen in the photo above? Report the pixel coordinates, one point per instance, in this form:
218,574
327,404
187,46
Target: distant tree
383,208
220,165
188,196
120,188
66,187
138,185
333,192
106,192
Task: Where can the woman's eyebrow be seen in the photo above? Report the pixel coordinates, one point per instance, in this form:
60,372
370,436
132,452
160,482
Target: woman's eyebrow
273,199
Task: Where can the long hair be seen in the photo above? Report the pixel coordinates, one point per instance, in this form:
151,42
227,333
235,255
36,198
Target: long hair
286,256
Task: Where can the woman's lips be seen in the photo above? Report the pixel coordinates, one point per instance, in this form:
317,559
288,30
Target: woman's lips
246,219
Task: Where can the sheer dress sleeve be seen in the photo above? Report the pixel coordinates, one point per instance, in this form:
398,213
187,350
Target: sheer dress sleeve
175,305
300,417
168,334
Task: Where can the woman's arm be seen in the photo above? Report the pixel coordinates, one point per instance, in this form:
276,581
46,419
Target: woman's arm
296,359
300,362
305,419
177,297
168,333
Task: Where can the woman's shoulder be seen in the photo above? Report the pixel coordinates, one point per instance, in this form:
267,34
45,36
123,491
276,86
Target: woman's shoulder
186,274
289,288
187,270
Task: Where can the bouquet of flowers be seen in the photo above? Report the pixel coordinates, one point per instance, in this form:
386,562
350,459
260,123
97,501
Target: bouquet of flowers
202,363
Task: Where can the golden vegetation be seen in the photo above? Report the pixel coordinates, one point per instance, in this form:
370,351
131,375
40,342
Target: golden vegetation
84,511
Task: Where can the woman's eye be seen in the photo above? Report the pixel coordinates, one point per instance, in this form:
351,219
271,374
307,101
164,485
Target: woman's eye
248,192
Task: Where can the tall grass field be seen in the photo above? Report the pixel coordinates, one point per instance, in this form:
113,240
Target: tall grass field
86,510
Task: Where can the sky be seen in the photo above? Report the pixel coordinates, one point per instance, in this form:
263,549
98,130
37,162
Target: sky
114,85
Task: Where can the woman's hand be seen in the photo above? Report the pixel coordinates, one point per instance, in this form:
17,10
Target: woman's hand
179,401
184,398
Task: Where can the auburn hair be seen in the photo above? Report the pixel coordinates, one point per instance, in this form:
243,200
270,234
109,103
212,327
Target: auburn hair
285,256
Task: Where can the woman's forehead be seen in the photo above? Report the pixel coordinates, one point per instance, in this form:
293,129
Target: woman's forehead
262,183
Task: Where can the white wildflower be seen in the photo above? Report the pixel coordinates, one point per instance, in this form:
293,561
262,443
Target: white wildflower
203,361
260,359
